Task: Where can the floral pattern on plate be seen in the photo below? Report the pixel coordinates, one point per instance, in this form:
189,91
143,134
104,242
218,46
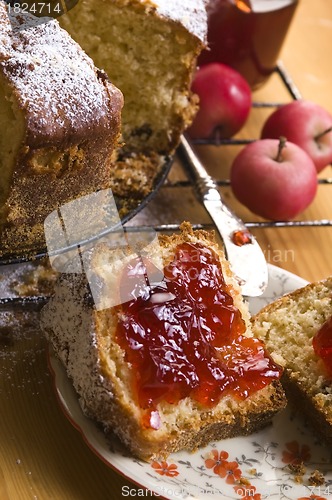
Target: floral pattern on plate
283,461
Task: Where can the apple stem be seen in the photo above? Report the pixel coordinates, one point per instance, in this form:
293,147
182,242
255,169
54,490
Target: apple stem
282,145
318,136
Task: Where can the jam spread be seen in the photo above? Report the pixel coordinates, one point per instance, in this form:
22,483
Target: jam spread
322,344
184,336
241,237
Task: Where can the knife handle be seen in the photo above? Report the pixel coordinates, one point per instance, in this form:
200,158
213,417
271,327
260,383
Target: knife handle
206,187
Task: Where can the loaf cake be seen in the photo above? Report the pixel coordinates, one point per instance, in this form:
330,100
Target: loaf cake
297,330
149,50
60,115
60,123
164,355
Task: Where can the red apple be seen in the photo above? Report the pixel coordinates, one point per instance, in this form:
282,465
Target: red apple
225,101
274,178
306,124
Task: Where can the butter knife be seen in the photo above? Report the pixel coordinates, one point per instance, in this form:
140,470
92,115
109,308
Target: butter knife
244,254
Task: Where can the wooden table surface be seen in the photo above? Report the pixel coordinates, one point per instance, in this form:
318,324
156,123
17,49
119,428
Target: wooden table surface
42,456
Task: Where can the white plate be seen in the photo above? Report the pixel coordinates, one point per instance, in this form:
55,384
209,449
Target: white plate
245,468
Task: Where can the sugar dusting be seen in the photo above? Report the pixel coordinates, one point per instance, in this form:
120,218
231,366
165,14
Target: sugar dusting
191,13
55,81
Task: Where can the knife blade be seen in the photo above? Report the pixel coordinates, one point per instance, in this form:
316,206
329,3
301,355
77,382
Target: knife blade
244,254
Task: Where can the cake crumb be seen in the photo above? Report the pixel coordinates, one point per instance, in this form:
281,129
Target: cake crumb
316,478
298,469
244,481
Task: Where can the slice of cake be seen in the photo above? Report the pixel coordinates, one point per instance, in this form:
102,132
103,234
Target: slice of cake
297,330
60,125
164,355
149,50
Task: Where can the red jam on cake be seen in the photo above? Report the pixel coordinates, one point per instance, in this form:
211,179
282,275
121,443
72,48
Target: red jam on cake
322,344
184,336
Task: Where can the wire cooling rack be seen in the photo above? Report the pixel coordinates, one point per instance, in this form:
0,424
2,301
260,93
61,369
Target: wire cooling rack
295,94
160,219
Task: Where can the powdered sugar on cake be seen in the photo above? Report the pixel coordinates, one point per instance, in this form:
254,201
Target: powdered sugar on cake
57,84
192,14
